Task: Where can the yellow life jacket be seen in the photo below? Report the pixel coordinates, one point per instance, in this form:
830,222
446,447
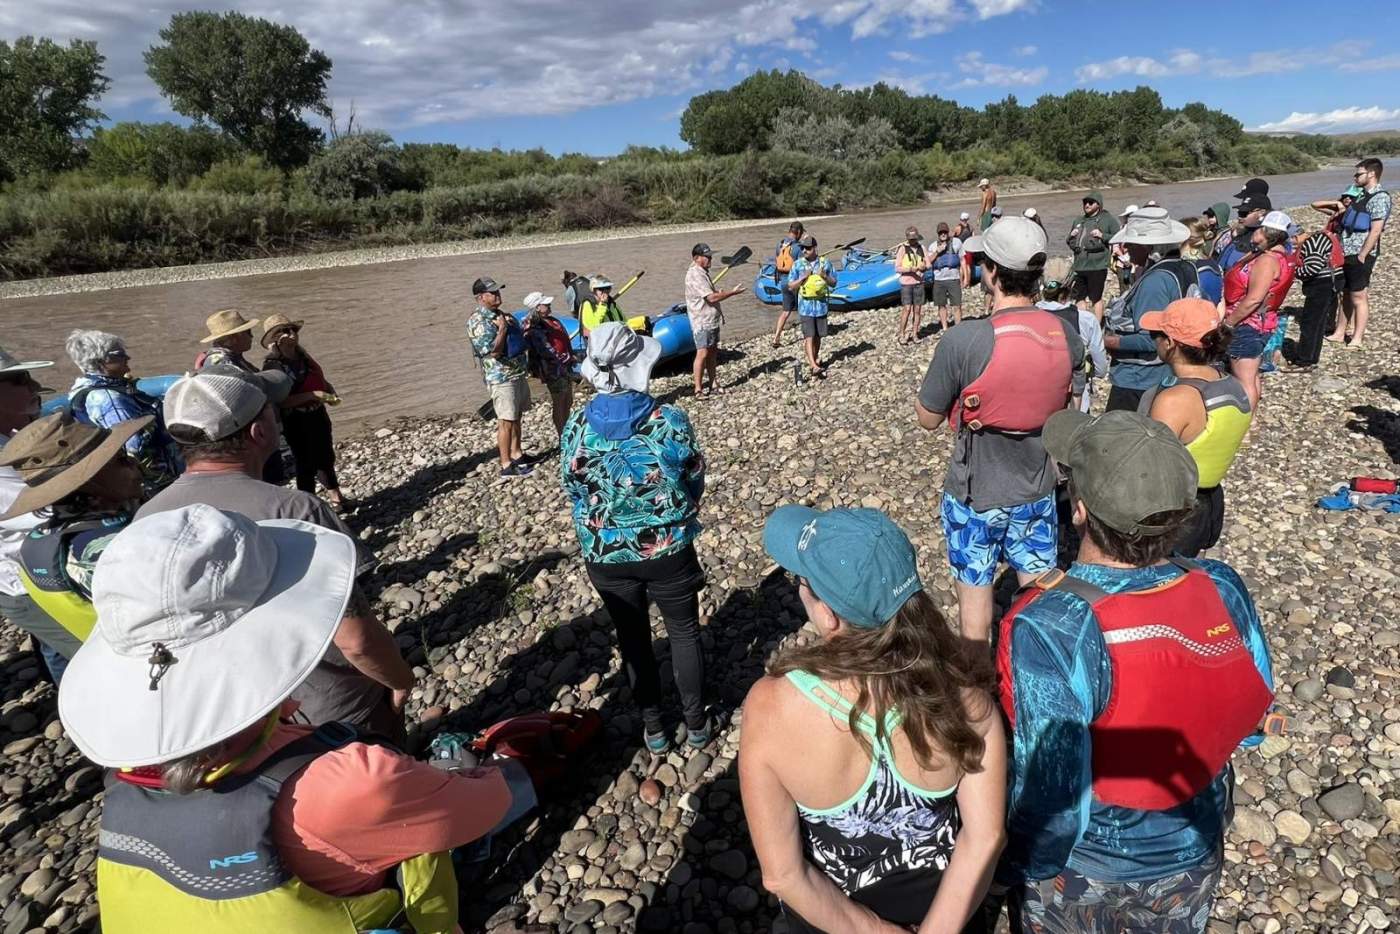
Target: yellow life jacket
815,287
43,556
1227,421
910,258
207,862
591,314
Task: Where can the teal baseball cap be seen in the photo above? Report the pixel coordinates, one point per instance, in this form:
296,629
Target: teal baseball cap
857,561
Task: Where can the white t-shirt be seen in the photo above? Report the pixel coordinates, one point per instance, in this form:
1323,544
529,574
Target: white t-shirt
12,531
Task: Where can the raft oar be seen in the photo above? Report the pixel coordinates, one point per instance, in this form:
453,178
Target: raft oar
740,257
844,246
628,284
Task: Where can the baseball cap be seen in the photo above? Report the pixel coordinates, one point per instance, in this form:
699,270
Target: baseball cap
808,242
983,183
1255,202
912,233
1255,186
485,284
701,249
1058,270
996,211
536,299
856,560
942,227
1127,467
1028,212
1185,320
1353,191
1013,243
218,401
964,216
1277,220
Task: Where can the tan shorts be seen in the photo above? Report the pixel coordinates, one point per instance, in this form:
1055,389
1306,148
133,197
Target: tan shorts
511,400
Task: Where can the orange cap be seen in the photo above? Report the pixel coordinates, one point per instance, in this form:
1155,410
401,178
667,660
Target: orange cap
1185,320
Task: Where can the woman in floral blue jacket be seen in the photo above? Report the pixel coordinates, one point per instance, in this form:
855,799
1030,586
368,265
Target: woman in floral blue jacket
635,475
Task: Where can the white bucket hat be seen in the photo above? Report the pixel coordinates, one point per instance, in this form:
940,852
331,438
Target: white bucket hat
536,299
1151,227
619,358
206,622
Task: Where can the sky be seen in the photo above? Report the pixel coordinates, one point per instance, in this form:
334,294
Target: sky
597,76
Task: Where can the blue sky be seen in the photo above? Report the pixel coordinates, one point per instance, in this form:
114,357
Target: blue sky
596,77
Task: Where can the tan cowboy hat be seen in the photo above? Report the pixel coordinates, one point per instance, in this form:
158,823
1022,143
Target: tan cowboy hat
226,322
57,454
274,323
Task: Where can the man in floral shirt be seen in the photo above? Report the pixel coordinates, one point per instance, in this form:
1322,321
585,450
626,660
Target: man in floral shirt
499,345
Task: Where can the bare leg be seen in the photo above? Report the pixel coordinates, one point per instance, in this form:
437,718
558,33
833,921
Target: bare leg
712,364
1344,313
918,321
1361,305
1246,370
698,370
1098,310
975,608
957,314
782,323
516,452
505,440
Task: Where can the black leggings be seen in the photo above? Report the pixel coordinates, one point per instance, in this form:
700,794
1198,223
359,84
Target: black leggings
308,434
673,582
1316,318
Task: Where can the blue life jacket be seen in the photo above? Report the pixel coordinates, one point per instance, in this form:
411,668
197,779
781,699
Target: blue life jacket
1210,279
1357,219
948,259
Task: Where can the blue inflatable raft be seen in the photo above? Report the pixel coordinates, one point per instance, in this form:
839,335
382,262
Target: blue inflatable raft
151,385
864,279
671,328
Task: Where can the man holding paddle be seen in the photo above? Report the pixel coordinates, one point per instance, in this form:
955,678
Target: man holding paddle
702,305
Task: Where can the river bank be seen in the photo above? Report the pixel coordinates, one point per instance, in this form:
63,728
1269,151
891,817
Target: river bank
483,587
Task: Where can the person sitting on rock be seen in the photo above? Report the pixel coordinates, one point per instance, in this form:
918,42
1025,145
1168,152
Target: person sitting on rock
1127,682
83,487
872,762
106,395
221,814
224,419
634,473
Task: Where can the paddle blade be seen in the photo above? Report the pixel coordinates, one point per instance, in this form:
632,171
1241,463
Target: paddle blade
847,246
740,257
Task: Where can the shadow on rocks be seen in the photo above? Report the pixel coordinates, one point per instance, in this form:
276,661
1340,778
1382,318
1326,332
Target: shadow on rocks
845,353
1379,424
1390,384
776,365
388,506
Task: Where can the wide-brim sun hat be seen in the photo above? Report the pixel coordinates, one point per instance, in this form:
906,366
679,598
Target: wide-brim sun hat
1152,227
55,455
619,359
8,364
206,622
276,324
225,323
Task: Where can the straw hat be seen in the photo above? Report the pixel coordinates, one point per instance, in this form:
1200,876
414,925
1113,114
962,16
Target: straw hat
226,322
274,323
206,622
57,454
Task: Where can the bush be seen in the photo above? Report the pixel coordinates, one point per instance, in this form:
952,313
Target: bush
161,153
361,165
246,176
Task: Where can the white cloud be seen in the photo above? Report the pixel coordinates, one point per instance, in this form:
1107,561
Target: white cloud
1331,121
1383,63
899,56
1025,51
986,9
1180,62
982,73
1342,55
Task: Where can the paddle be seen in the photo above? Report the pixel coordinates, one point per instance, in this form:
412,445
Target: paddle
844,246
740,257
630,282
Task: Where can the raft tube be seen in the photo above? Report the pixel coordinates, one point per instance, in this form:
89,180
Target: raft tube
864,279
156,386
671,328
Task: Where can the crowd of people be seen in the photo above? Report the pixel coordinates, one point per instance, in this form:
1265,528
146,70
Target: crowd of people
1066,759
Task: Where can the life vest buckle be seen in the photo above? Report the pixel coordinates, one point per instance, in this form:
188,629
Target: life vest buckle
974,424
972,400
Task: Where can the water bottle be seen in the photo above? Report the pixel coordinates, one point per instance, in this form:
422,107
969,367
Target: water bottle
797,372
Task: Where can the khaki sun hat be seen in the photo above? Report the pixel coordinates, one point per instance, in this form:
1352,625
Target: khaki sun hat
57,454
226,322
8,363
1151,227
274,323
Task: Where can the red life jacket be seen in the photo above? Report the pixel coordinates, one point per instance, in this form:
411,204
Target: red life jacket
1185,687
1337,258
1237,284
1027,379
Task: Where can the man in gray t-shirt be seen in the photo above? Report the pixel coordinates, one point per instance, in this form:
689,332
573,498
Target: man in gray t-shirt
224,420
999,494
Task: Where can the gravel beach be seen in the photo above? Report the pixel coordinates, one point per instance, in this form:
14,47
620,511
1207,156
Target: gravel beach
481,582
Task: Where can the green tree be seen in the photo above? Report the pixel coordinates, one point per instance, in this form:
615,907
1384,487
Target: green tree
47,93
361,165
250,77
162,153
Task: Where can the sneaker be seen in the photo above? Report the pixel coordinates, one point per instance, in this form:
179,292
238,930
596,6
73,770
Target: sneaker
698,739
517,469
658,743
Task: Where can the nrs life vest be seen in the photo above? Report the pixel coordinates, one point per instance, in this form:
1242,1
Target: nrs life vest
1228,415
1237,285
207,862
1357,218
1185,690
43,556
1027,379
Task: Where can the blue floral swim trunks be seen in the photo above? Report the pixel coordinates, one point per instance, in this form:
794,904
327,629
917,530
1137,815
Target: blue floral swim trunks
1025,535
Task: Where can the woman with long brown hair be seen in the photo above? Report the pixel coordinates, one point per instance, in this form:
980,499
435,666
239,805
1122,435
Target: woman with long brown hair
872,761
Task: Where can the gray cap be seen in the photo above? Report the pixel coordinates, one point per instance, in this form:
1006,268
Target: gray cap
1127,467
808,242
219,401
1012,243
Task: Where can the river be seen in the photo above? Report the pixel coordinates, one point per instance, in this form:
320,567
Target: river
391,338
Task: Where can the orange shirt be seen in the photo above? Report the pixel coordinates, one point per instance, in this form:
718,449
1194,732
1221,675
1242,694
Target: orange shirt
354,814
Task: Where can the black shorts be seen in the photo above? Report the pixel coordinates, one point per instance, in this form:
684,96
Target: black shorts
1207,521
1089,284
1356,275
814,325
789,296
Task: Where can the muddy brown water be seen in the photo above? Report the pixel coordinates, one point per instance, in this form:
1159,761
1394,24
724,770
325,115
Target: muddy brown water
391,336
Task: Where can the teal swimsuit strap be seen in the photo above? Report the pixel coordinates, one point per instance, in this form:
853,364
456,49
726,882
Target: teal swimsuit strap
824,696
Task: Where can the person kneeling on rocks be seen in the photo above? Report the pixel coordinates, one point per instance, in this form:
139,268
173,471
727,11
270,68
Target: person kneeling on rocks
872,763
633,470
221,814
1127,682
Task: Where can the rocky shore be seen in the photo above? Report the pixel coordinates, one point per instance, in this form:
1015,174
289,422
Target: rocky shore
481,582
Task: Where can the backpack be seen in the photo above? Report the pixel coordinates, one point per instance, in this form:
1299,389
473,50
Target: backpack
782,262
1119,316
